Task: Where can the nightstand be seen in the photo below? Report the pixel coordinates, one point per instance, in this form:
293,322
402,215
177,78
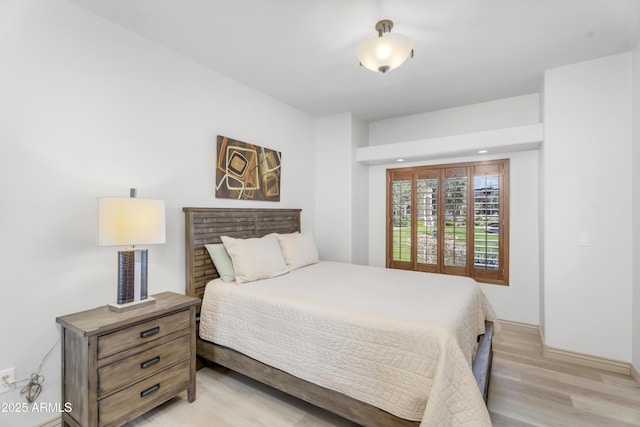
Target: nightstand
117,366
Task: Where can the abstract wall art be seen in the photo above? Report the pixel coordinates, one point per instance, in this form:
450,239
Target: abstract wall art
246,171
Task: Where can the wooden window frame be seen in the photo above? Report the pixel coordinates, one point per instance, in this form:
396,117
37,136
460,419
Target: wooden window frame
499,276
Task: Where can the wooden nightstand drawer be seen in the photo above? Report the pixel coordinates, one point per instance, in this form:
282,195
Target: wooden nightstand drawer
138,334
144,395
141,365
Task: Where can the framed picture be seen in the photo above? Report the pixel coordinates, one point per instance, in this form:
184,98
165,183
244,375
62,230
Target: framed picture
247,171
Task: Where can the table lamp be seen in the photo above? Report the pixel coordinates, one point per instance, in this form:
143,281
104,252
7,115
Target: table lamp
131,221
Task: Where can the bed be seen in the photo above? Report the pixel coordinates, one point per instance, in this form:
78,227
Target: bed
208,225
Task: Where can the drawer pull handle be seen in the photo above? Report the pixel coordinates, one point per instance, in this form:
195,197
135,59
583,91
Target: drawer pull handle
150,362
149,332
150,390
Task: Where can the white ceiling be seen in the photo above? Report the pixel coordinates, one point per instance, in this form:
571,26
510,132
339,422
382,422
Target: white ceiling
302,52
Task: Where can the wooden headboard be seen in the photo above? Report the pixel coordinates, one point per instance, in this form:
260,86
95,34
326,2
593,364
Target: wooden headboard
206,225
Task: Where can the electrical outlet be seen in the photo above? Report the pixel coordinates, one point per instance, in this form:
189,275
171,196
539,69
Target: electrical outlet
4,385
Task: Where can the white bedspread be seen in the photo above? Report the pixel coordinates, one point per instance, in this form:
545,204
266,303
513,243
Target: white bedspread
399,340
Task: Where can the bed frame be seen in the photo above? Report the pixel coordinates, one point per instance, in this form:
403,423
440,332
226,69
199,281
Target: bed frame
206,225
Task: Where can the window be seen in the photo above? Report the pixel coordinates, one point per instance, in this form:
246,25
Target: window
450,219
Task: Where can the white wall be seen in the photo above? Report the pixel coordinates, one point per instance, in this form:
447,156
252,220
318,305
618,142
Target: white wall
519,300
587,189
541,227
359,195
498,114
333,190
341,190
635,184
88,109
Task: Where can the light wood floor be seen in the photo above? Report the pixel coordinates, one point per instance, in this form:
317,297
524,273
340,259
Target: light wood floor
526,390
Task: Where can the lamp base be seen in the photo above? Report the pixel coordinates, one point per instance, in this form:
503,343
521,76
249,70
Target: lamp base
132,275
120,308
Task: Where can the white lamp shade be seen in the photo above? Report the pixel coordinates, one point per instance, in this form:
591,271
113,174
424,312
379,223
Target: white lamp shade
130,221
384,53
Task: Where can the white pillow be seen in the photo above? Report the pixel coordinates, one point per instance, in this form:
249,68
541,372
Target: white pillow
298,249
255,259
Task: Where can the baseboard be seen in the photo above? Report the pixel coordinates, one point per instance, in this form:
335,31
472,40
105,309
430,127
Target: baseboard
603,363
519,324
597,362
541,337
53,422
635,373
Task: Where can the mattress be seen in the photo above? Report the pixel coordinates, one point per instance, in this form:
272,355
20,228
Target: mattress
402,341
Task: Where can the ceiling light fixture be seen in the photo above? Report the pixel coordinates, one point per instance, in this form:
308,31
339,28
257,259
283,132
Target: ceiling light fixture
385,51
